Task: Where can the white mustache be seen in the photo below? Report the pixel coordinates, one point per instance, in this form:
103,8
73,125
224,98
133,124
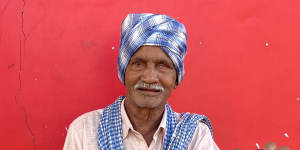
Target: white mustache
149,86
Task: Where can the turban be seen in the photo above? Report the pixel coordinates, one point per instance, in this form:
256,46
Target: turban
155,30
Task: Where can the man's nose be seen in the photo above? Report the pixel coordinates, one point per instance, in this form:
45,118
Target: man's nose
150,75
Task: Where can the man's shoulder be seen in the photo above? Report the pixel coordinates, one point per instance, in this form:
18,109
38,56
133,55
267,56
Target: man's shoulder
89,118
203,123
190,117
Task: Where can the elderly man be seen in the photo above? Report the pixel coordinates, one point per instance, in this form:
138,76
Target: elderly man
150,65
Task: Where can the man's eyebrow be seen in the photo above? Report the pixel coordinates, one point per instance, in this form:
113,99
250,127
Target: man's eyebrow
138,59
163,61
159,61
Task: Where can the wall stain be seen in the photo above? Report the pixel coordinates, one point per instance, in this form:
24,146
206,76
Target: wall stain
10,66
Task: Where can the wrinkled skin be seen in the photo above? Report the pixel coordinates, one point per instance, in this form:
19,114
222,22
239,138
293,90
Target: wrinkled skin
152,66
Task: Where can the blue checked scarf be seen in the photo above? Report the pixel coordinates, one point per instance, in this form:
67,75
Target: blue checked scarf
178,136
155,30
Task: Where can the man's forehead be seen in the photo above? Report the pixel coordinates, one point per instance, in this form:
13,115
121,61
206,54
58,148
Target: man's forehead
151,52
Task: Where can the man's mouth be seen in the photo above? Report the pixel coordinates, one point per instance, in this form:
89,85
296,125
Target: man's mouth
149,89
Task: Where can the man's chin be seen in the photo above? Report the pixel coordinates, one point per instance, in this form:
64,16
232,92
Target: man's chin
149,102
148,106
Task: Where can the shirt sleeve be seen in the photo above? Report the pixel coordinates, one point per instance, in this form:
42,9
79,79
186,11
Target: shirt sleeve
74,139
202,139
82,133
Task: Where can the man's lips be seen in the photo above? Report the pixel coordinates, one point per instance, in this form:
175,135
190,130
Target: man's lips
148,90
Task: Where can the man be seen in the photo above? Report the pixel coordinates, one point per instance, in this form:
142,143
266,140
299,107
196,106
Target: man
150,65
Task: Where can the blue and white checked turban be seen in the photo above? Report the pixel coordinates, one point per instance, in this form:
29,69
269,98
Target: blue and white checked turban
155,30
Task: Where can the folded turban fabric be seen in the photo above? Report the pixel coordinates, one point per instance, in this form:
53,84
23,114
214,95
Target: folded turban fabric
155,30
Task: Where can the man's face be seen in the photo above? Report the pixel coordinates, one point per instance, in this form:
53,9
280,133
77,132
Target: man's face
148,71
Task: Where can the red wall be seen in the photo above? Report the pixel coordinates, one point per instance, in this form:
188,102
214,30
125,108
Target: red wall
242,67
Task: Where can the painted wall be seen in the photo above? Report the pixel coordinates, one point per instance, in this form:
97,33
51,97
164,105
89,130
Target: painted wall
58,60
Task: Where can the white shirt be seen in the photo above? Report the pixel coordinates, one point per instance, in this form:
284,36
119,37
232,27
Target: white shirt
82,134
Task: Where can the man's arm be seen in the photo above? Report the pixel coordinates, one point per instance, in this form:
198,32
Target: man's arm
202,139
74,138
82,134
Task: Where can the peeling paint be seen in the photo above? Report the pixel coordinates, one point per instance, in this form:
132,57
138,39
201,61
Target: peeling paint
267,44
257,146
286,135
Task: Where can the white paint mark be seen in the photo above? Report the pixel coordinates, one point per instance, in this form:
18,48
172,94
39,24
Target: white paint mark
113,48
286,135
298,98
66,129
201,43
267,44
257,145
35,78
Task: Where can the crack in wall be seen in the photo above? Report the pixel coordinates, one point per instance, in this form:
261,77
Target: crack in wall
19,92
22,107
20,67
22,24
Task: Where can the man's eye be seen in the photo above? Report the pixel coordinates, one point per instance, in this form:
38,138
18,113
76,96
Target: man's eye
164,66
137,65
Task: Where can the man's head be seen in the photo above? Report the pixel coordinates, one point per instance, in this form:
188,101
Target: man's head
157,44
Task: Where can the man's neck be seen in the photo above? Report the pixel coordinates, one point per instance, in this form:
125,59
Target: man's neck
144,120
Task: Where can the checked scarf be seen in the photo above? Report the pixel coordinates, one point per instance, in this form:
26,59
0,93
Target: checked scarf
179,131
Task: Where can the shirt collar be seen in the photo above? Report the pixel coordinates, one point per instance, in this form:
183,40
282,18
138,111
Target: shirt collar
126,124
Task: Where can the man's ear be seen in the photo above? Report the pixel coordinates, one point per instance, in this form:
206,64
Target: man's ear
176,83
175,86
